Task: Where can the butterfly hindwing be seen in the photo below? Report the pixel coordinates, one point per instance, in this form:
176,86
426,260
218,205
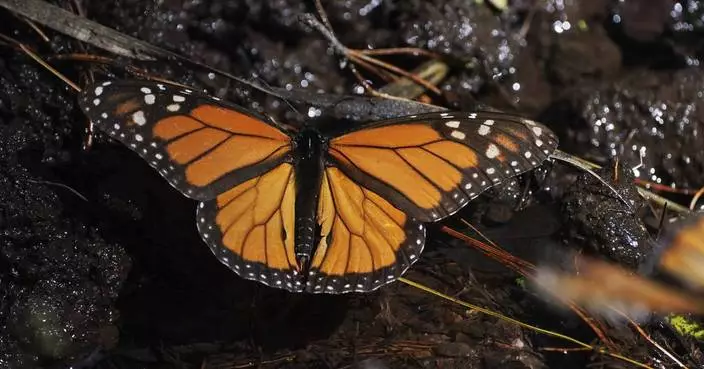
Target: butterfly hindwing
250,228
365,242
431,165
201,145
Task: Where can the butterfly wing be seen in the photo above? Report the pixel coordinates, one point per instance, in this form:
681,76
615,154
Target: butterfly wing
431,165
365,242
201,145
250,228
236,163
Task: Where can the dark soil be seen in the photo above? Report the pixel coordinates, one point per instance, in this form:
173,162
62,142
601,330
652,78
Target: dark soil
101,265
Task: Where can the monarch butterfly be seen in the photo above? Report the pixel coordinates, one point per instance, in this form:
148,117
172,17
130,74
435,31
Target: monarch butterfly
315,210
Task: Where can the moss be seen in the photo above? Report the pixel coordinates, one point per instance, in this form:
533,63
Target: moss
686,327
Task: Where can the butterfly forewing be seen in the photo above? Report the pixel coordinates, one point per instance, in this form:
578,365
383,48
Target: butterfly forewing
365,241
201,145
432,165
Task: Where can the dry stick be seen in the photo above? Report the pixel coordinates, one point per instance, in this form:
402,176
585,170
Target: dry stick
651,340
399,51
36,29
362,58
695,198
82,29
311,21
433,71
323,14
357,57
664,188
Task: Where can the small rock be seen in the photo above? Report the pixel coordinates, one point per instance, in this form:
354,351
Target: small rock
473,329
461,337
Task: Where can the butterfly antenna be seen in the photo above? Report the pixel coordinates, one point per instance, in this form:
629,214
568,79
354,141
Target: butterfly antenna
586,166
287,101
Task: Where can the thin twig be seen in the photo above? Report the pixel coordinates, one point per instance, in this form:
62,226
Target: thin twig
649,339
37,29
39,60
60,185
695,198
399,51
323,14
311,21
358,57
579,163
433,71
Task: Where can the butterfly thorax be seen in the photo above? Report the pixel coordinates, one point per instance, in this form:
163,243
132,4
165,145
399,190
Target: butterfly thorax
308,145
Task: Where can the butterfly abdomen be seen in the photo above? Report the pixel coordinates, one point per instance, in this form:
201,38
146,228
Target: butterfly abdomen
309,169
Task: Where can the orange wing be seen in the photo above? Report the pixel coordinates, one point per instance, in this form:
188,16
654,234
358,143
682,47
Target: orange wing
365,242
250,228
201,145
431,165
682,253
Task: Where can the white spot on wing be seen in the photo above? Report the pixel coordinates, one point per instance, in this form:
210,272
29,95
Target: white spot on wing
492,151
146,90
179,98
98,90
139,118
149,99
458,135
453,123
484,130
173,107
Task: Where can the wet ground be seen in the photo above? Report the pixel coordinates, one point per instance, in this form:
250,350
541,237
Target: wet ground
101,265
